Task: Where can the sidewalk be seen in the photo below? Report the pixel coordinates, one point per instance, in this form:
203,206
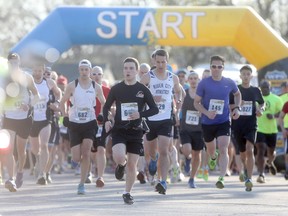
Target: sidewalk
60,198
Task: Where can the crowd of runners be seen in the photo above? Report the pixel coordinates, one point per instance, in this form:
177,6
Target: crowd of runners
156,126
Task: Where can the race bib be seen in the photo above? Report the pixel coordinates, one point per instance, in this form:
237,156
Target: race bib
99,132
83,114
161,107
246,109
192,117
17,105
127,109
40,105
216,105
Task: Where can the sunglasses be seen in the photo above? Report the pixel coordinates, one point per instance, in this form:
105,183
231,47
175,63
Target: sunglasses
94,74
217,66
84,69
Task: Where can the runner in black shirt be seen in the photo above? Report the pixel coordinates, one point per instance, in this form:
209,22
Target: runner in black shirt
245,126
131,98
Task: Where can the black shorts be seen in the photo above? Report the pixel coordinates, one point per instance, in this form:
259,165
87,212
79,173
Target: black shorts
37,126
194,138
269,139
240,136
98,136
157,128
210,132
55,134
78,132
133,139
22,127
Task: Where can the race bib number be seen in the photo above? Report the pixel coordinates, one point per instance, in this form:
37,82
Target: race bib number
83,114
246,109
192,117
216,105
161,107
127,109
41,105
99,132
17,105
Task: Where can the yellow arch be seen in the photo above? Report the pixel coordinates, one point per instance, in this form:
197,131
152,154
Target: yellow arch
239,27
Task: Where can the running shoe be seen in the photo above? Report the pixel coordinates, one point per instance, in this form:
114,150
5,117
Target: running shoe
206,174
100,182
128,199
191,183
89,178
248,185
78,170
19,180
272,168
220,182
243,176
141,177
187,166
48,178
10,185
161,187
119,172
42,181
74,164
228,173
213,162
200,173
153,166
81,189
174,174
261,179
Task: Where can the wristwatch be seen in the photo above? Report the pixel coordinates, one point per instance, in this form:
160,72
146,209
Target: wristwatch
237,107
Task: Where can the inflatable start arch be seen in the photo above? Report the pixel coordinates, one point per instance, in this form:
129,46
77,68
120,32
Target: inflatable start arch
238,27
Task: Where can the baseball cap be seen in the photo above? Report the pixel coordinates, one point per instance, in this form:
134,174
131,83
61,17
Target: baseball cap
85,62
48,69
183,71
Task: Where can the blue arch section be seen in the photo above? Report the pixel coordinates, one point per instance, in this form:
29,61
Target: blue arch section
68,26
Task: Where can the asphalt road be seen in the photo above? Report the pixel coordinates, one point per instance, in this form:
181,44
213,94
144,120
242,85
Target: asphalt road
60,198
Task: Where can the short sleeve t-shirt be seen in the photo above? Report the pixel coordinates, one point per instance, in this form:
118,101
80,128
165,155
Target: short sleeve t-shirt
273,105
215,97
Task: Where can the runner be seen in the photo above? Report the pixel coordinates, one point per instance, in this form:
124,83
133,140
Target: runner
100,156
17,117
82,123
42,118
212,100
131,98
267,131
161,83
244,128
190,128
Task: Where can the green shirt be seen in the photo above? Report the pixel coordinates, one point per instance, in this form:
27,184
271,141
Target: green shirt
284,98
273,105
